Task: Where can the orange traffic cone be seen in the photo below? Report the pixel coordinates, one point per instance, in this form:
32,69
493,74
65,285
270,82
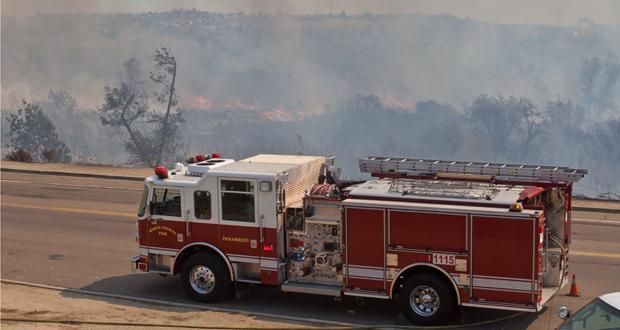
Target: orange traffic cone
574,288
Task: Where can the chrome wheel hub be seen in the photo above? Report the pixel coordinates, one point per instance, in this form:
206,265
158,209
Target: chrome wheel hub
202,279
424,300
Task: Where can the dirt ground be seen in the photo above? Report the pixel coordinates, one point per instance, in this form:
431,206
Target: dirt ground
22,302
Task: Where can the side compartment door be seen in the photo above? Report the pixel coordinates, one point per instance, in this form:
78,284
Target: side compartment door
365,249
268,239
503,261
240,226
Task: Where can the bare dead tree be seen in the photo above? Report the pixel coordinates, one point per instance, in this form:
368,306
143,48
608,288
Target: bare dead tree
164,75
511,125
124,106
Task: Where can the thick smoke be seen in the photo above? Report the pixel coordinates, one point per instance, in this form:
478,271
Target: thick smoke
345,84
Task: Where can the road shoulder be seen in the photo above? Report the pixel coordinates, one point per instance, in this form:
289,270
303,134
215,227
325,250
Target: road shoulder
33,303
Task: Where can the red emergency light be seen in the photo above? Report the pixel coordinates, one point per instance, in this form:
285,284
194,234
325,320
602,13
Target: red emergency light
216,155
161,171
200,158
268,247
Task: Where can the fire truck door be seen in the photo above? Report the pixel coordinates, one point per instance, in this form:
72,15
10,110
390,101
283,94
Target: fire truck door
240,225
201,222
166,221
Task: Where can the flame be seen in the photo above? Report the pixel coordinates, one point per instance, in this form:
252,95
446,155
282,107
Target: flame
203,102
274,114
277,114
392,102
237,105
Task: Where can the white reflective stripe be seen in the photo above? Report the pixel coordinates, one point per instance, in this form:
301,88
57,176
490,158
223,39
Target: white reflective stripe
502,289
505,278
157,248
242,256
144,251
366,272
499,306
162,252
250,260
367,267
366,278
502,284
273,264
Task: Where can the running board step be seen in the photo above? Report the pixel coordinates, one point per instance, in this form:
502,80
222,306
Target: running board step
366,294
320,289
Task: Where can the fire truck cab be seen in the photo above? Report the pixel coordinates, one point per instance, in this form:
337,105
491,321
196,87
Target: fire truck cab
435,234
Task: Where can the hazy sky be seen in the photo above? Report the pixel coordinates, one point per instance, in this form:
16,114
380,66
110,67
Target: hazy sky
551,12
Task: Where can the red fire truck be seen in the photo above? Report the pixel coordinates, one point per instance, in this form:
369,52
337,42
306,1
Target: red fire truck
434,234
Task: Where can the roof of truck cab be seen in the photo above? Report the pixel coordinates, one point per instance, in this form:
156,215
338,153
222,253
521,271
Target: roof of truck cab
247,169
179,179
282,159
261,171
262,166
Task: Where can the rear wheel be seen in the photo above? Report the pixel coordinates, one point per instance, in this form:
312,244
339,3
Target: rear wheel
205,278
426,299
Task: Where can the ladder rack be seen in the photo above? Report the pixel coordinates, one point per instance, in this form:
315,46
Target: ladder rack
411,167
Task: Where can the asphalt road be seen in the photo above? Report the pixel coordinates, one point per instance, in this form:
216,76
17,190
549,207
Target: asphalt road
78,233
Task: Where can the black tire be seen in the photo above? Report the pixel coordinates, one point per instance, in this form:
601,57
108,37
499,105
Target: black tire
439,299
211,280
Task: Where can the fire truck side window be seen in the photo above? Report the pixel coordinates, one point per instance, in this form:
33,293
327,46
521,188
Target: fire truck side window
237,200
166,202
202,204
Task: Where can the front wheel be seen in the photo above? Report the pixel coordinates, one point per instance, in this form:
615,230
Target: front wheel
205,278
426,300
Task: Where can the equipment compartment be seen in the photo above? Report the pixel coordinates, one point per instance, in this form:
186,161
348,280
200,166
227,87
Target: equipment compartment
314,248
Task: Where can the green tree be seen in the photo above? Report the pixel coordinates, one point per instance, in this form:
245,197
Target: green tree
32,132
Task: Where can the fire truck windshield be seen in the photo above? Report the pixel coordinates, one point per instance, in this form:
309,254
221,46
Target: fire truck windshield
142,208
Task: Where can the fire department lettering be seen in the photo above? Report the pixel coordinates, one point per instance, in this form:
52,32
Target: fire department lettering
163,230
235,239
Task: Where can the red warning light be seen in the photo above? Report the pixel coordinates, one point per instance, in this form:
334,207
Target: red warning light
161,171
216,155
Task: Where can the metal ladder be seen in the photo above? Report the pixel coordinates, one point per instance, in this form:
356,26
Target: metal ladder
496,171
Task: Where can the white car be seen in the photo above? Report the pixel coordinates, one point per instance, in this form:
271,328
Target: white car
600,313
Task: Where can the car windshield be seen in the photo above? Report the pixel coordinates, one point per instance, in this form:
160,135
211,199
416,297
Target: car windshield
142,208
595,315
